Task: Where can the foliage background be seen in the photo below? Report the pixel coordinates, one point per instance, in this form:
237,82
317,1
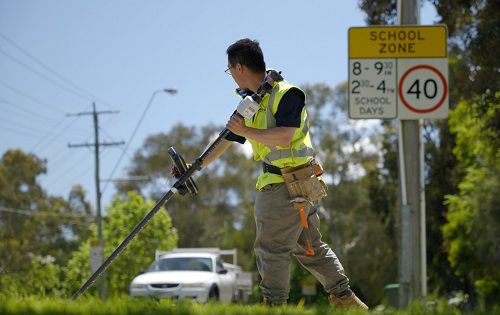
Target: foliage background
45,240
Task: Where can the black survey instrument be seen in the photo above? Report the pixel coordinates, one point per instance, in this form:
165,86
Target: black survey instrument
189,186
247,107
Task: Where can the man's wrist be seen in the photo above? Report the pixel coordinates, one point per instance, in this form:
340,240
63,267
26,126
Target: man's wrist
242,132
247,132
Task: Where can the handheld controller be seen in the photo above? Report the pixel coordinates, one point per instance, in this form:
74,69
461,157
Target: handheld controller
180,164
249,105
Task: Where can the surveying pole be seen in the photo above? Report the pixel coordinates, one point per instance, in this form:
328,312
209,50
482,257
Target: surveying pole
96,146
412,251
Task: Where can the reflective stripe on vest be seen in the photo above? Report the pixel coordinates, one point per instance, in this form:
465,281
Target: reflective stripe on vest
275,153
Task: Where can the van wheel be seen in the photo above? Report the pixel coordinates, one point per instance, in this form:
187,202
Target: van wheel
213,295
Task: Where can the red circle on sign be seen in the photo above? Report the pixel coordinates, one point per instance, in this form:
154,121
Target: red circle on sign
441,101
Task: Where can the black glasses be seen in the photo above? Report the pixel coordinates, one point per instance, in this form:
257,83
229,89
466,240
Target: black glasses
227,70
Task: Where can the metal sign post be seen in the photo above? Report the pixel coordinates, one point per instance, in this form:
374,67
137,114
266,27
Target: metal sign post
412,259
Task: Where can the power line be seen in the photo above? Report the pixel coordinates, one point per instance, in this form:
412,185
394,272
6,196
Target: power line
19,108
47,135
17,132
22,116
106,133
69,171
64,158
57,185
18,117
59,158
15,125
170,91
71,219
55,73
125,112
44,76
45,213
31,97
128,179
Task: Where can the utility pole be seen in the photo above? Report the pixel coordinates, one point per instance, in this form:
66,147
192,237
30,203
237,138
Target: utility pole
412,257
96,146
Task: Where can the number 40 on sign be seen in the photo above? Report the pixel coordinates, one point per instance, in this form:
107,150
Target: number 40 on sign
409,82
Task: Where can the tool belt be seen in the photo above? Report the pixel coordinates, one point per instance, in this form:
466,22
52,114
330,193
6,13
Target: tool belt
301,181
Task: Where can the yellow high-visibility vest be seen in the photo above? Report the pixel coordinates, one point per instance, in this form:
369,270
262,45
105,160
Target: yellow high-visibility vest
300,150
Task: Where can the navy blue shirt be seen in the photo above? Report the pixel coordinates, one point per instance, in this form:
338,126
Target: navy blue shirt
287,115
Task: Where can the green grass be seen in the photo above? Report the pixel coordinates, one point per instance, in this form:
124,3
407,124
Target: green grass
127,305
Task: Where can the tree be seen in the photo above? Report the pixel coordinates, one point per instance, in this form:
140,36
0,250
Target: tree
18,173
474,29
80,206
33,223
472,26
441,179
379,12
471,233
473,33
42,278
122,215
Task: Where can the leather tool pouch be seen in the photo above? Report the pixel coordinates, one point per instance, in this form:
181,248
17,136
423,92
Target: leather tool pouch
304,181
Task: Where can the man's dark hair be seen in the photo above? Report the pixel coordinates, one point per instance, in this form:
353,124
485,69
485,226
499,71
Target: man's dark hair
248,53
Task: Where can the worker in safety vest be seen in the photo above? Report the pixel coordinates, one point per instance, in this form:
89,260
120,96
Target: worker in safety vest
286,219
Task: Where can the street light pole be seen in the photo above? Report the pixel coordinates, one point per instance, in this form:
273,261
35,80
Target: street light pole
166,90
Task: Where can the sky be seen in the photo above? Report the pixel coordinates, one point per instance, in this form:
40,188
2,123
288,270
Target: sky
59,57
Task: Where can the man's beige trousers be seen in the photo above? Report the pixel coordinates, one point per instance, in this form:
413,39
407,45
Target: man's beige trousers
280,233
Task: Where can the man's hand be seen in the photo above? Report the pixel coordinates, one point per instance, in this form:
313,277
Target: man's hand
236,125
174,171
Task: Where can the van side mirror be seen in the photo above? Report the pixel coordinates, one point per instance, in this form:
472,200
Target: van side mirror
222,271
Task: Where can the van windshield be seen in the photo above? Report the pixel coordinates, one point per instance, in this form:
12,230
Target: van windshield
182,264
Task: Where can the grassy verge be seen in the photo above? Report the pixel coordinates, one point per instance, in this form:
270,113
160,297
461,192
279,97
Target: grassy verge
129,306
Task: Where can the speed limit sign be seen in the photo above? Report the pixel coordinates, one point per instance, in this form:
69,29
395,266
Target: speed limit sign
423,88
398,72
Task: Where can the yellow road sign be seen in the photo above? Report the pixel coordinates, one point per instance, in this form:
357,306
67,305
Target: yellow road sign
398,42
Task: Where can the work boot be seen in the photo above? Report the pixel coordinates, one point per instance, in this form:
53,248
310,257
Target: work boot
347,301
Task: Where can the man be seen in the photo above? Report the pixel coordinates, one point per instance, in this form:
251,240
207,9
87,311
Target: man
280,139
